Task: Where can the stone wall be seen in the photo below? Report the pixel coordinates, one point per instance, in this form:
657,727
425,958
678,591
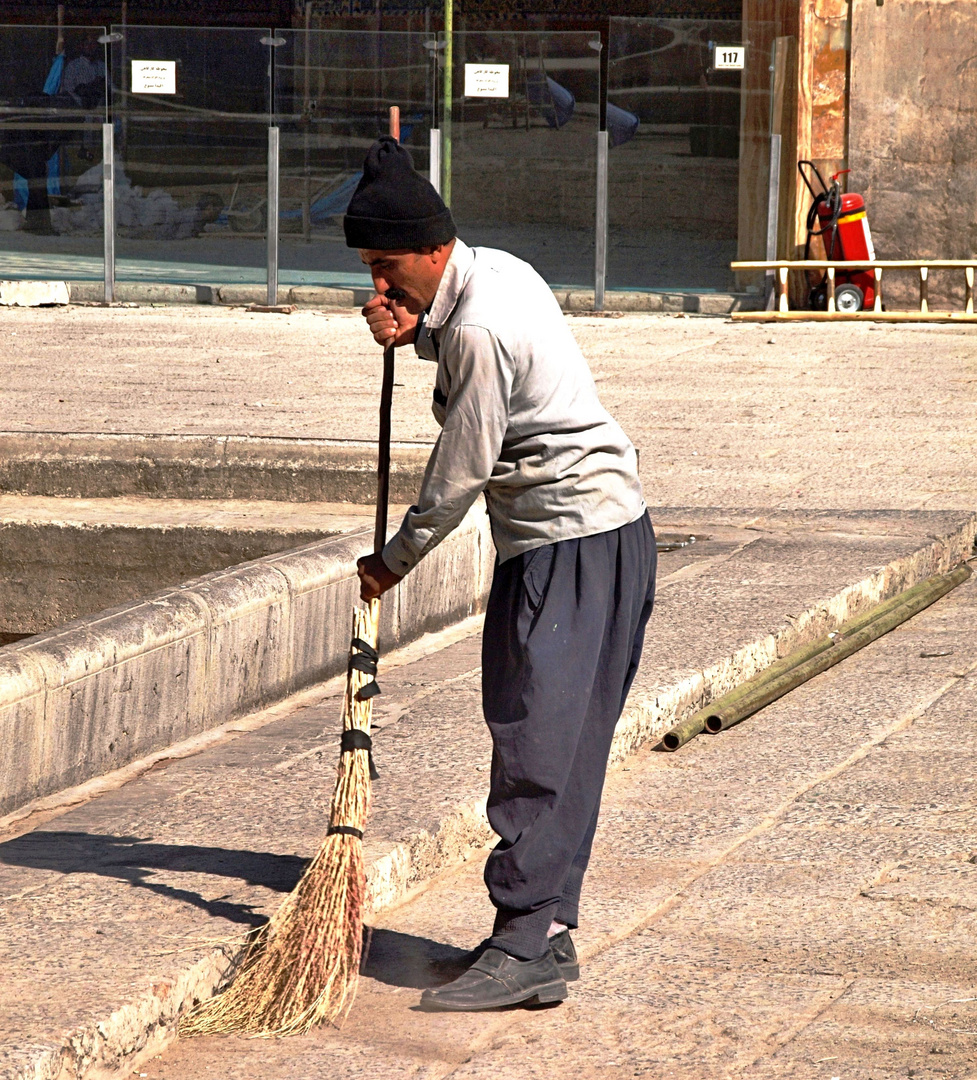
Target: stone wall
98,693
913,135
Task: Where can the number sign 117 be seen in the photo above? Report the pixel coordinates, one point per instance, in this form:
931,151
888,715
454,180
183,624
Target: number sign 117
729,57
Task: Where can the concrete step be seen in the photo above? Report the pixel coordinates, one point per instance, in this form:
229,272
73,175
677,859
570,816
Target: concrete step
90,465
148,870
66,558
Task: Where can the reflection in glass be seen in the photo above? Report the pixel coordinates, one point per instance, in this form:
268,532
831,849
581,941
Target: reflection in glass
524,165
52,106
333,92
673,182
191,114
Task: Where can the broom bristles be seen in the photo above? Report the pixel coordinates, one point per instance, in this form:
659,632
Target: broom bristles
302,966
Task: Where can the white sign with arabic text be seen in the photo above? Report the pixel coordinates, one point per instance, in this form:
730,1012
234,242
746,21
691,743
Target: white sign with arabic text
153,77
487,80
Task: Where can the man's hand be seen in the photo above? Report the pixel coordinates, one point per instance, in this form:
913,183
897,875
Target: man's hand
375,576
389,321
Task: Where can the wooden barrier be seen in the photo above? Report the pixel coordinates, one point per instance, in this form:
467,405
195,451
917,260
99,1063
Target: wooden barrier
782,313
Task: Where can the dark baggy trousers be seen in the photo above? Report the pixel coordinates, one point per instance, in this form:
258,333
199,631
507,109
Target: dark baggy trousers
562,640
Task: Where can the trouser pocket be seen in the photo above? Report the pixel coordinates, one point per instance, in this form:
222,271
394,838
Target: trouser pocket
536,570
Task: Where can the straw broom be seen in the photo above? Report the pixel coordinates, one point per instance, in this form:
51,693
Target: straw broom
302,966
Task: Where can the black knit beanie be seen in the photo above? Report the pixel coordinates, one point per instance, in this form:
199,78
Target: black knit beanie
393,205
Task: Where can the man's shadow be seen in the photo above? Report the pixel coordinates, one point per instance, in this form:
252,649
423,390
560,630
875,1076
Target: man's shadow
389,957
406,960
418,963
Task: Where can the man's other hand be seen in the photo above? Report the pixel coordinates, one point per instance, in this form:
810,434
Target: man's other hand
390,323
375,576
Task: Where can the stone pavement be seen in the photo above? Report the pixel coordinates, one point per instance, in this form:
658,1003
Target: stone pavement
745,917
845,416
795,898
110,909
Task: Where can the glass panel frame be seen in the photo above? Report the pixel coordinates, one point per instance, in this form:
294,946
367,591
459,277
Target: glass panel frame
524,167
674,181
332,94
191,176
52,107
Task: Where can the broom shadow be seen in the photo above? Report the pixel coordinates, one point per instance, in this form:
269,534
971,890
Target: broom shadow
136,860
389,957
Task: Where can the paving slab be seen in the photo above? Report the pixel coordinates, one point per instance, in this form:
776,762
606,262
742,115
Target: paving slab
111,909
765,954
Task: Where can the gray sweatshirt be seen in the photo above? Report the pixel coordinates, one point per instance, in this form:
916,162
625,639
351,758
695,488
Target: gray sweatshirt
520,418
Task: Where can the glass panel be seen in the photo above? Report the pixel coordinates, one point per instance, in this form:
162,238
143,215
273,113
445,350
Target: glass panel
191,112
524,163
333,92
674,123
52,107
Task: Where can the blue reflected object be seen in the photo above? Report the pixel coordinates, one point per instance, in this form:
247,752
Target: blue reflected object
52,84
329,205
557,102
621,125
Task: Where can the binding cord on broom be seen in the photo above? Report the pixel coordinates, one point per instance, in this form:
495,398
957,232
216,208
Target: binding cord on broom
302,966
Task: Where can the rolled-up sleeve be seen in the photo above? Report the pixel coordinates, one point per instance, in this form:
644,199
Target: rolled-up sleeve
480,372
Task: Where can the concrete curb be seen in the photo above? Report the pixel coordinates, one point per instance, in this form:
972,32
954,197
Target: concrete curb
143,1027
73,560
649,718
315,296
645,718
89,465
100,692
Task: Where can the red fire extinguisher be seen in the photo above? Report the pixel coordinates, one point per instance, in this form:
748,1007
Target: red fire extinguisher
841,221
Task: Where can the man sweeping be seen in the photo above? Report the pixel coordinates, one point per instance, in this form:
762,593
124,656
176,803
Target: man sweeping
575,576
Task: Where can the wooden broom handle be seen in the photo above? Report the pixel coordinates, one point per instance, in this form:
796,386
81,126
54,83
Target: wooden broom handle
386,403
383,456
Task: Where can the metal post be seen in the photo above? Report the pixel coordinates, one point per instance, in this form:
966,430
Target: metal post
306,122
435,170
449,73
600,247
272,216
773,214
108,209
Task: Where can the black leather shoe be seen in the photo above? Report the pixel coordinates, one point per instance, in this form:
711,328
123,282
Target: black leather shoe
497,979
563,952
565,955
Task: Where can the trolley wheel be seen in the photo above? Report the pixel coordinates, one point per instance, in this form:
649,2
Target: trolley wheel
849,298
818,298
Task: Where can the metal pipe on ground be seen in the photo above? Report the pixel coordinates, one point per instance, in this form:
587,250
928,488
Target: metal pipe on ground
680,734
803,664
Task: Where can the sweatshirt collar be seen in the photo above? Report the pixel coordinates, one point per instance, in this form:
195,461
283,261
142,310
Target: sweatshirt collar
453,281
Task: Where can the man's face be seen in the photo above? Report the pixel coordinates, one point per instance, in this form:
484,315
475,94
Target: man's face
415,275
